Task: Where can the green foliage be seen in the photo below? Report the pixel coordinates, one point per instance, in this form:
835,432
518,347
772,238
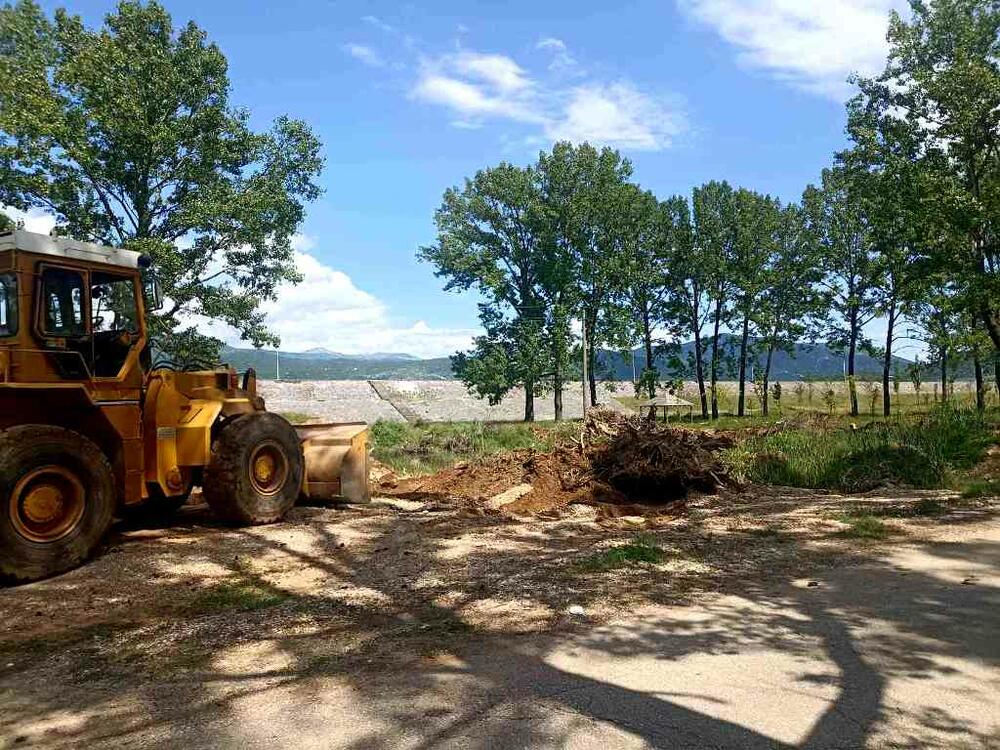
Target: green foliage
938,103
641,549
421,448
493,237
242,594
7,224
865,527
981,488
126,134
918,452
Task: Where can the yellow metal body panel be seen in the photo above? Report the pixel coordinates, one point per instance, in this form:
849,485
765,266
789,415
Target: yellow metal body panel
156,427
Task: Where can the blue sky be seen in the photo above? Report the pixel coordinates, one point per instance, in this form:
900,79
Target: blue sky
410,99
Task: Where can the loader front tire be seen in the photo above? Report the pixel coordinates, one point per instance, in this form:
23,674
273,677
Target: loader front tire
255,472
58,497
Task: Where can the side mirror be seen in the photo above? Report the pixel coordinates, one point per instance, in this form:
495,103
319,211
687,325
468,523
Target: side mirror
152,292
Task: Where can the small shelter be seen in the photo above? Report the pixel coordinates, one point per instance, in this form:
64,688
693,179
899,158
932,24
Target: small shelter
666,404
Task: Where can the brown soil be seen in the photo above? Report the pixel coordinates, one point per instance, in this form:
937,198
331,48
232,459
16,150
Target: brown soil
620,461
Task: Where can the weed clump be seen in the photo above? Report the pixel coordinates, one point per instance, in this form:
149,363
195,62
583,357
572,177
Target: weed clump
919,453
865,527
641,549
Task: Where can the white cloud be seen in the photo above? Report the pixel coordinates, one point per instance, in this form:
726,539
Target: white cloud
327,309
813,44
617,113
562,60
364,54
477,87
35,220
496,70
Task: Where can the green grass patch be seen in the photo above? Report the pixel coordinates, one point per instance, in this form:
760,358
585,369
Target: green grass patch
428,447
244,595
977,489
927,506
641,549
864,527
920,452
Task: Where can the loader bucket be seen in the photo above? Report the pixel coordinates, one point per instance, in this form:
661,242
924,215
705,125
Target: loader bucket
336,461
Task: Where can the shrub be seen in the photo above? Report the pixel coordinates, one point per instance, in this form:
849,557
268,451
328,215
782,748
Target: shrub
919,452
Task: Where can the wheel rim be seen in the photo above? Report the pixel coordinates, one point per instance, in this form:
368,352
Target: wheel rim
47,504
268,468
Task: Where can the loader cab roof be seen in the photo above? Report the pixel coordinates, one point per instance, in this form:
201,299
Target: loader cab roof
63,247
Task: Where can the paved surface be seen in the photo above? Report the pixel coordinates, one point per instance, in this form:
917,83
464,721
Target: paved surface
894,652
416,400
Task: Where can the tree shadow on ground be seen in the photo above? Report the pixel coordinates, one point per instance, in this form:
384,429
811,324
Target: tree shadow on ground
369,638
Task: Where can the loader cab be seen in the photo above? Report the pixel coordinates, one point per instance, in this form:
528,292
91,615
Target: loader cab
71,311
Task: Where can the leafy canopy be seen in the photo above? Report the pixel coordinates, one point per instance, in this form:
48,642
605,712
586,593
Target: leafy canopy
126,135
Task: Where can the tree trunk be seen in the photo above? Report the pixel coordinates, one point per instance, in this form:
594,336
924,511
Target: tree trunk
529,401
591,360
996,372
992,321
741,407
944,376
715,361
852,387
980,389
765,398
647,340
887,361
699,369
557,371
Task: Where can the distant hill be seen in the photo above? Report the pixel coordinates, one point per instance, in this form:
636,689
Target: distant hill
808,361
326,365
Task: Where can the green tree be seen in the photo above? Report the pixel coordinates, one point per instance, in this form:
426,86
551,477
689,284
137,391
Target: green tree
840,227
756,219
643,281
7,224
493,237
507,355
885,184
792,299
714,213
126,135
688,277
942,79
583,195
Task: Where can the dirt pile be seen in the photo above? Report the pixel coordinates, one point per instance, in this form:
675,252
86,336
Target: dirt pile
617,460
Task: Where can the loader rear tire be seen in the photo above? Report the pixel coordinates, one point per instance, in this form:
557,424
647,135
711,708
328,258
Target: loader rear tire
57,501
255,472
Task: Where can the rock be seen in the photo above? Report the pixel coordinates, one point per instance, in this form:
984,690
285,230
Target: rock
577,610
508,496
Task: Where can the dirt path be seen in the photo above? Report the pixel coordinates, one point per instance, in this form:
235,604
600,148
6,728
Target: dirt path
425,625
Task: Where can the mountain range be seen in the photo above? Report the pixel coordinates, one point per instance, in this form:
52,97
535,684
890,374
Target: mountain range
807,361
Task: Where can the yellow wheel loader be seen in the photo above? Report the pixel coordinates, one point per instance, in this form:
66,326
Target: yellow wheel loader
89,430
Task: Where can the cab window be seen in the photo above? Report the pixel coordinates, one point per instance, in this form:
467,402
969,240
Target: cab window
113,305
63,303
114,321
8,304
